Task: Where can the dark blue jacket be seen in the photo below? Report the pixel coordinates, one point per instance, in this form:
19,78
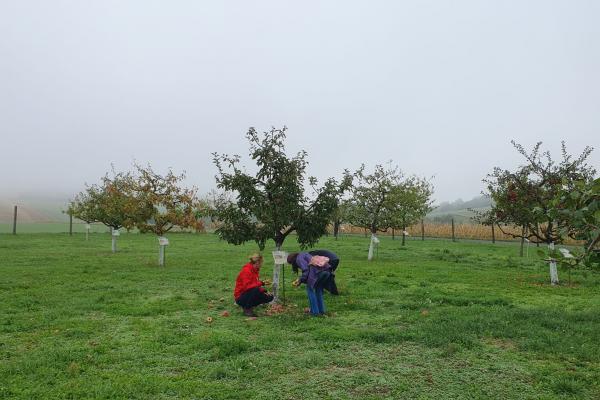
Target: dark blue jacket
310,273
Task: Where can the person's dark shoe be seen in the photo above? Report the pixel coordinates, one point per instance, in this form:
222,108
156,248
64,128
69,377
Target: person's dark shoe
248,312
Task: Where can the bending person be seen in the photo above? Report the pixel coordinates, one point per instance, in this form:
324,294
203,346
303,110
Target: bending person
249,290
334,261
316,271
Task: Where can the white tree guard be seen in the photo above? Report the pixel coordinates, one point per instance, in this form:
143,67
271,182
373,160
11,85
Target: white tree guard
161,256
553,269
276,271
163,242
87,231
280,258
115,234
374,242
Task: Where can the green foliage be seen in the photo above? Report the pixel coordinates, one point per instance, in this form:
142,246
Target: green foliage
162,203
148,201
577,210
369,205
272,203
386,199
410,201
340,215
83,207
112,202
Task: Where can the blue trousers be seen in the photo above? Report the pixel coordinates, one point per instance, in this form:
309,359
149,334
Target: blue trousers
315,300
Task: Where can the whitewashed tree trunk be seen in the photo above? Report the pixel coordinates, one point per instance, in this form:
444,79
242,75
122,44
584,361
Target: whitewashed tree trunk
161,255
163,242
114,233
374,241
276,271
87,231
553,269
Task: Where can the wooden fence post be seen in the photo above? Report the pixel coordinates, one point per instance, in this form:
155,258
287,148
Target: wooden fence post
453,237
522,241
15,222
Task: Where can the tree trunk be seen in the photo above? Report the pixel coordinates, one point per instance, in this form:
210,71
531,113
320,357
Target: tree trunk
336,229
163,242
87,231
393,234
114,233
493,235
553,269
161,255
453,237
403,235
276,271
422,230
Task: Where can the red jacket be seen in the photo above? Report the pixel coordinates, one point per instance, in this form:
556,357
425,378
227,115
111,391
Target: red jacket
247,279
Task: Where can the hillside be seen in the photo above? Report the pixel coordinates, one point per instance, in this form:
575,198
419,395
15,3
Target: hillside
33,210
459,210
43,209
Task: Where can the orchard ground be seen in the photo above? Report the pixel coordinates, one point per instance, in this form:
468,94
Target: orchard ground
433,319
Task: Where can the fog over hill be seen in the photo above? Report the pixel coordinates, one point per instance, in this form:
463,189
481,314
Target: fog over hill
33,208
459,204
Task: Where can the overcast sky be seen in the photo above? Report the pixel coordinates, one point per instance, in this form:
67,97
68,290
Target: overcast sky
439,87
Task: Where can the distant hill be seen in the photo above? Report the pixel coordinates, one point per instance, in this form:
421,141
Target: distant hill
32,209
475,202
459,210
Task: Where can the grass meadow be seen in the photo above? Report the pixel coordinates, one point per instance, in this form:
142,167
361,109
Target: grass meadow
431,320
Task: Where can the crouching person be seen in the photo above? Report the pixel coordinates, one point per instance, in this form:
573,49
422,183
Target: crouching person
249,289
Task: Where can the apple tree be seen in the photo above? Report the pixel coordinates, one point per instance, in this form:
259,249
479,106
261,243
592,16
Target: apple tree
272,203
113,203
372,199
526,197
164,204
409,201
577,209
85,209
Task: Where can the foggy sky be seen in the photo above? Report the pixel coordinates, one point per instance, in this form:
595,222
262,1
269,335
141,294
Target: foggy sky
439,87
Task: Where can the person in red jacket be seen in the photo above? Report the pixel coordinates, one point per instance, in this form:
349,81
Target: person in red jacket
249,290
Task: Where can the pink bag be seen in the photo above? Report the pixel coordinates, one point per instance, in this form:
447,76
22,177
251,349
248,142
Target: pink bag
319,261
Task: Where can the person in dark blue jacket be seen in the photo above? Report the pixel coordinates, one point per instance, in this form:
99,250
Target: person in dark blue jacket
318,269
334,261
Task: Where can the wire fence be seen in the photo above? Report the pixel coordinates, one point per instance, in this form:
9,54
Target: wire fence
451,231
421,231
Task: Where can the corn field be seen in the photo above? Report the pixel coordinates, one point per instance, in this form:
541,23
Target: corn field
461,231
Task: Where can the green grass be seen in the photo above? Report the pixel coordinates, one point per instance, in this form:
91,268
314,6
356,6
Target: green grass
434,319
